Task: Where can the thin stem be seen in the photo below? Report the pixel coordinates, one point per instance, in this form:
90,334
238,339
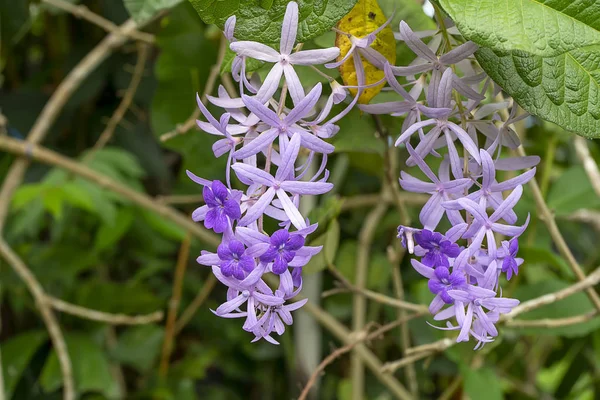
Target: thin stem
100,316
589,165
359,304
182,261
361,337
370,359
81,11
561,244
200,298
56,335
54,106
49,157
189,123
121,110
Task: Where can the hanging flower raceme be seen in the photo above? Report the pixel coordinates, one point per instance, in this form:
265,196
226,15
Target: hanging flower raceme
270,148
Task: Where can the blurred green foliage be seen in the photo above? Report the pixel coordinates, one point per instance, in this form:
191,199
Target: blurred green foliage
94,248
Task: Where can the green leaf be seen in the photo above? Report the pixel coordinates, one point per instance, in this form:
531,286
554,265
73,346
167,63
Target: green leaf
563,89
571,306
544,53
357,134
261,20
108,235
482,382
571,192
16,355
163,226
539,27
139,346
143,10
91,369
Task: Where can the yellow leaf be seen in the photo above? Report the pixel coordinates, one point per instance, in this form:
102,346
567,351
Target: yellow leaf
364,18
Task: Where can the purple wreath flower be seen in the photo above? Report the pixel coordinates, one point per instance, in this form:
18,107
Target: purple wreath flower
437,249
442,281
282,250
510,264
234,260
284,59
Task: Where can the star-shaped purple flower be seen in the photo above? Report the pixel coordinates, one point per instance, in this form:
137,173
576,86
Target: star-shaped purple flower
442,281
437,249
282,249
510,264
234,260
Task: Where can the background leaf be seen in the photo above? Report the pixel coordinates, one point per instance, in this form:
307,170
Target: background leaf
261,22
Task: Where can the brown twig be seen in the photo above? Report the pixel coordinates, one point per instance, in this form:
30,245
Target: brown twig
208,89
127,99
416,354
589,165
371,200
557,237
586,216
100,316
591,280
49,157
181,199
359,304
81,11
370,359
167,348
378,297
361,337
191,309
56,335
54,106
553,322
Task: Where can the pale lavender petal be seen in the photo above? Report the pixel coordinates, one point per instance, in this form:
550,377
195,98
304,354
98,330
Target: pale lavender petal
515,163
258,208
314,57
208,259
263,112
295,88
289,27
291,210
197,179
411,69
422,269
415,44
303,108
432,212
231,305
257,144
459,53
306,188
254,174
271,83
415,127
508,204
199,213
512,183
255,50
286,169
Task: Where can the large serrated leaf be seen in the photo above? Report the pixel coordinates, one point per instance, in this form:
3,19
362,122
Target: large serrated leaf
544,53
261,20
563,89
541,27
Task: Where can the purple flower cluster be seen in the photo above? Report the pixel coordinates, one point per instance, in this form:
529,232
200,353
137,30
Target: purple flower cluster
463,265
270,149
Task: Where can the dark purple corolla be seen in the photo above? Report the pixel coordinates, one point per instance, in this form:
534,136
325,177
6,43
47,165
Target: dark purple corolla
282,250
234,260
436,248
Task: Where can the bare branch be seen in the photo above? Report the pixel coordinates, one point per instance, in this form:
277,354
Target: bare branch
100,316
590,166
548,218
359,303
54,106
167,348
127,98
56,335
49,157
361,337
200,298
208,89
81,11
553,322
